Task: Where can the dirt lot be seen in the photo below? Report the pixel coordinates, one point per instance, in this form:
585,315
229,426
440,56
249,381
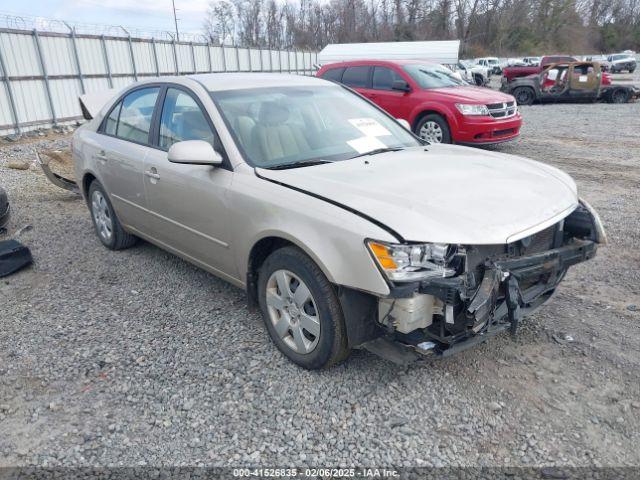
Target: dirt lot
136,357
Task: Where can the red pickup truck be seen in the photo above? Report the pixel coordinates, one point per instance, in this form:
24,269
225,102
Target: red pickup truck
509,73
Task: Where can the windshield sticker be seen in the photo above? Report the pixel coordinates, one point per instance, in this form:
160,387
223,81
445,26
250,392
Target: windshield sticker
365,144
369,127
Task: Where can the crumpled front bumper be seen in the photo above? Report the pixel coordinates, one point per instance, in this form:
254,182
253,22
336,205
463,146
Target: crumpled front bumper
509,289
500,301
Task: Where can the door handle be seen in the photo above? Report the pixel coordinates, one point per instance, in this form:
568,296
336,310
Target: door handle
150,174
101,155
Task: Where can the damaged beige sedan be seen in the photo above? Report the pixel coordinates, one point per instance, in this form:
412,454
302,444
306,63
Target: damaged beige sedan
345,229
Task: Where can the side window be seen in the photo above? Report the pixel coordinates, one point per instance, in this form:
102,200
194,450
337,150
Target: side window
384,77
112,120
356,77
182,119
136,113
334,74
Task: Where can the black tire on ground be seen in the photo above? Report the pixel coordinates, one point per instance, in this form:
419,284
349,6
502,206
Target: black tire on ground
631,70
524,95
331,347
478,80
619,95
442,123
118,239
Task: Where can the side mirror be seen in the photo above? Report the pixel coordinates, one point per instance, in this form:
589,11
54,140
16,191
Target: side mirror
194,152
404,123
400,85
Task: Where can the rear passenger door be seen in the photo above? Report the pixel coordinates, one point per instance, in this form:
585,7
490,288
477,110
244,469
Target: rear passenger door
188,203
395,102
124,144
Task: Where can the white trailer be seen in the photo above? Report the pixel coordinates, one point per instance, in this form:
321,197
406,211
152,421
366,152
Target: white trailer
443,52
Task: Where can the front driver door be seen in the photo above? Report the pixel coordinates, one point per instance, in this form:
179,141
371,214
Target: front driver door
396,102
188,203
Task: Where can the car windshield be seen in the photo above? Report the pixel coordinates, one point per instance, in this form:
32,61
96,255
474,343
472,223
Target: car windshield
296,126
433,76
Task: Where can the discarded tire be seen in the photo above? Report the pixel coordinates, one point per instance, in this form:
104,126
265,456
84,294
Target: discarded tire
4,208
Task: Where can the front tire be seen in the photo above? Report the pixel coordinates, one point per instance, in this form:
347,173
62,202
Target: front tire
434,129
301,310
105,221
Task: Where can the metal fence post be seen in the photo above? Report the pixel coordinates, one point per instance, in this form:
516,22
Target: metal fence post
270,60
193,58
106,60
7,82
224,58
76,57
45,75
260,55
280,60
297,69
155,56
175,57
209,63
249,57
133,58
237,59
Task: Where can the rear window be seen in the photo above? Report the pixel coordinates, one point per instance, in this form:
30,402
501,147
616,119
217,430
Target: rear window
356,76
334,74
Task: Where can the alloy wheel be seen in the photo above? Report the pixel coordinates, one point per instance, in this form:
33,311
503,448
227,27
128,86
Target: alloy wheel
431,132
293,311
101,215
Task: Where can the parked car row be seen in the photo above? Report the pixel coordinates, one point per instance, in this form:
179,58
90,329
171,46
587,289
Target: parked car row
345,229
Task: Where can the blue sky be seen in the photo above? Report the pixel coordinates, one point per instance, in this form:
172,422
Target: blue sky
135,14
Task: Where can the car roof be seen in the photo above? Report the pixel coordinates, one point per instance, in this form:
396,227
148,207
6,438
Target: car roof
364,62
239,81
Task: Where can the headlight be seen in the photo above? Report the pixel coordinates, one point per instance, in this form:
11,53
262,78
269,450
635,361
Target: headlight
465,109
405,263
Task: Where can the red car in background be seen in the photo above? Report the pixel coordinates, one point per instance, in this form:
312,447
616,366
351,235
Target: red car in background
439,106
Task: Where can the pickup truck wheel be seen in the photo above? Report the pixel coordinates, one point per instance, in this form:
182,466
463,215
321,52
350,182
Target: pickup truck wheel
301,310
524,95
434,129
478,80
619,96
631,70
105,221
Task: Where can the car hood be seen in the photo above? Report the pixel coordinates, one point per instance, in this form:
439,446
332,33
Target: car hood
472,94
443,193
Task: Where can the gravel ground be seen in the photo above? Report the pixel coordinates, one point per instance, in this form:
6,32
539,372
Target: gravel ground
138,358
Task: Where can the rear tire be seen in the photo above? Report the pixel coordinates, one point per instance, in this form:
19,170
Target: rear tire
301,310
105,221
524,95
619,96
433,128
